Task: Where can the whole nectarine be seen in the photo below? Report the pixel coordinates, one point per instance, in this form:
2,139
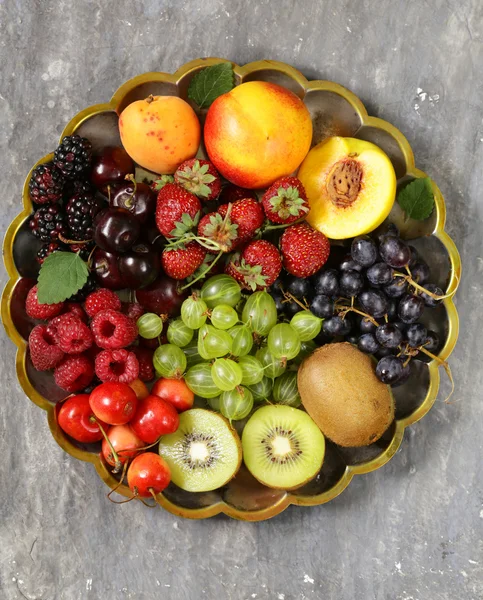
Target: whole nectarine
160,132
257,133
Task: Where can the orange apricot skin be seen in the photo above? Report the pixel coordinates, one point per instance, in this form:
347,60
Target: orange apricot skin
257,133
160,132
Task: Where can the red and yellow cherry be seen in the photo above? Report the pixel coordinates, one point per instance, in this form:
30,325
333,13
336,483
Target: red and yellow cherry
76,419
125,443
148,474
114,403
174,391
140,389
154,418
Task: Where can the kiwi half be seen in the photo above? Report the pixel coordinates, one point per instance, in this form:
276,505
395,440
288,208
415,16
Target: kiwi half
340,391
204,453
282,447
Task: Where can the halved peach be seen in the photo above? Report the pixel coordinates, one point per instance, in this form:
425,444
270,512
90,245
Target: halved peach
350,185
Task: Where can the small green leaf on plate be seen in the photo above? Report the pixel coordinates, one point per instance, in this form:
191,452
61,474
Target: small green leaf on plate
417,199
211,82
62,274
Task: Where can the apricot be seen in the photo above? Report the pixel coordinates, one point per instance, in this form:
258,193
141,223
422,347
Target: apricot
257,133
160,132
350,185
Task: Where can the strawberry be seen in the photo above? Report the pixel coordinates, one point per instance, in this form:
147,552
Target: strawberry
232,193
247,214
182,261
258,267
200,178
304,250
220,230
177,211
285,201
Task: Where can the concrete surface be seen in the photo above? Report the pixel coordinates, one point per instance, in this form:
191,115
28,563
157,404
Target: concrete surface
411,531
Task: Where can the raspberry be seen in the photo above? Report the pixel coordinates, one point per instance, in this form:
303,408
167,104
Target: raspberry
41,311
72,335
113,330
117,365
74,373
145,360
133,310
76,309
44,352
101,299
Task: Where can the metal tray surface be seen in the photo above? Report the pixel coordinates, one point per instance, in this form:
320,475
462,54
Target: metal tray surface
335,111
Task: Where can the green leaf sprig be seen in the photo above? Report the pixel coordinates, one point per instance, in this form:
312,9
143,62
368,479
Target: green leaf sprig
417,199
62,275
211,82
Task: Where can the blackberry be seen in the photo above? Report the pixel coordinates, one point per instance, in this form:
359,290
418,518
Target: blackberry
48,222
73,156
81,210
77,186
88,288
47,250
46,184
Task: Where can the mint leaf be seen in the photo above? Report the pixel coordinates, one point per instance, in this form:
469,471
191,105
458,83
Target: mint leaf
417,199
211,82
62,274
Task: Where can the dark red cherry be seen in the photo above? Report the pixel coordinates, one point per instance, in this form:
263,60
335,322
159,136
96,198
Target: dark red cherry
111,165
139,267
106,270
164,296
138,198
116,230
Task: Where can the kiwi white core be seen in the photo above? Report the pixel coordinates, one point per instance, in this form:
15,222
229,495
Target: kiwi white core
198,452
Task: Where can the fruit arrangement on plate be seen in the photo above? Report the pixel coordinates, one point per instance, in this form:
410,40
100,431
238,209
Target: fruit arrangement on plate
234,294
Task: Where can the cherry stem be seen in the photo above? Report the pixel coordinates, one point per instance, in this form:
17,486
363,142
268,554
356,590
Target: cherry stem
151,491
203,273
118,464
124,469
89,265
130,177
445,366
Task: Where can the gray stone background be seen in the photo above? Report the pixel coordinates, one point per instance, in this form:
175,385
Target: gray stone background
410,531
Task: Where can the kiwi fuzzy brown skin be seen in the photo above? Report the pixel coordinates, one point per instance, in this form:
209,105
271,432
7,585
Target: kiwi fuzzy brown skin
340,391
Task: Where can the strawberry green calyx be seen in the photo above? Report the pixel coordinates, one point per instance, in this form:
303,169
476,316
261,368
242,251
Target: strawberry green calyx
288,202
160,182
195,179
252,275
185,225
221,230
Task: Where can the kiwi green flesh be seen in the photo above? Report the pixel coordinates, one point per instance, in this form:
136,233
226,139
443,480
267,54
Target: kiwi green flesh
282,447
204,453
340,391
